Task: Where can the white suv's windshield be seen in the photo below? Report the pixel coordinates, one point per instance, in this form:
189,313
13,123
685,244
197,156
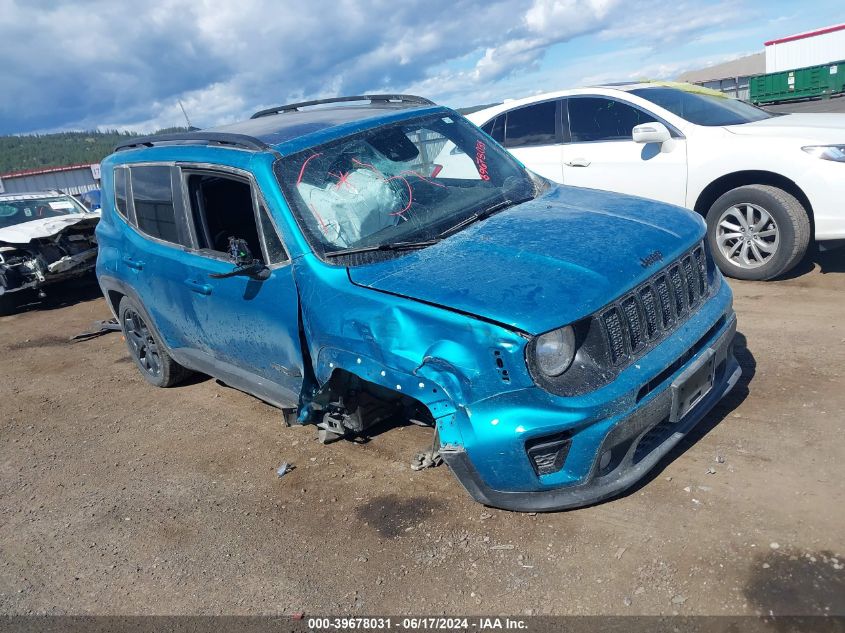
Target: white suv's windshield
382,189
703,109
26,208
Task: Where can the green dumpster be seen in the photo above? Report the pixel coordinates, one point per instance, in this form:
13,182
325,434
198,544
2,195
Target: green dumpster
801,83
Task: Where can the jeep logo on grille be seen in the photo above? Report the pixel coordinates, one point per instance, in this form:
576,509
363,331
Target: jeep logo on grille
648,260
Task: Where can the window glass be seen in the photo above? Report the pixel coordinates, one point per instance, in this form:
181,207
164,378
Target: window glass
497,128
275,251
120,196
383,186
17,209
153,198
703,109
599,119
532,125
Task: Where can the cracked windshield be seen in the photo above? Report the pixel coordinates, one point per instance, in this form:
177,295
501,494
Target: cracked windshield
400,185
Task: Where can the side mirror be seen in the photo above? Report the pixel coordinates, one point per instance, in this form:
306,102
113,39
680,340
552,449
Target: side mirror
653,132
245,264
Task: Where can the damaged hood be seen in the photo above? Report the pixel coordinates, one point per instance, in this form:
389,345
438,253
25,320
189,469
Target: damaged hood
25,232
544,263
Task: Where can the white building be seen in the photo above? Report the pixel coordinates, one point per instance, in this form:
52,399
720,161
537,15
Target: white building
73,179
813,48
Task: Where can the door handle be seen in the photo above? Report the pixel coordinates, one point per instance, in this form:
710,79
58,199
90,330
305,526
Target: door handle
199,288
134,264
577,162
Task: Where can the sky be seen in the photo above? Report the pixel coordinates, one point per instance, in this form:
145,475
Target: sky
109,64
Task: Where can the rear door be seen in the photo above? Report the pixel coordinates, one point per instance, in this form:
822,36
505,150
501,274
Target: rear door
151,261
602,154
533,134
245,328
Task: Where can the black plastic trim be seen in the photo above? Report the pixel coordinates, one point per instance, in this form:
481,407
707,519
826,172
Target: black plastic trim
239,141
294,107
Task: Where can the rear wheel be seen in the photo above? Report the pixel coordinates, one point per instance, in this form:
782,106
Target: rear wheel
757,232
146,349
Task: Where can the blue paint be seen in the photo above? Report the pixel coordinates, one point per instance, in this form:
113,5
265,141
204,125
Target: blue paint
447,325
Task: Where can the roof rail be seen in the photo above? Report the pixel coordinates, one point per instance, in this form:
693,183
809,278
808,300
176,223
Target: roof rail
240,141
293,107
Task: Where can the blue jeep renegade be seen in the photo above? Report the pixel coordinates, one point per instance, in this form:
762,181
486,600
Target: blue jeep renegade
560,340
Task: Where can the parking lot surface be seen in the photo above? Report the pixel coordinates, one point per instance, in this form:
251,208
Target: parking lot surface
119,498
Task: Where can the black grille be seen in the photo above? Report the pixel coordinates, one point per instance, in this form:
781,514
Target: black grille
646,315
548,454
652,439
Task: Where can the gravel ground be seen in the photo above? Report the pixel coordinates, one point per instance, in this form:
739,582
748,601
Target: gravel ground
118,498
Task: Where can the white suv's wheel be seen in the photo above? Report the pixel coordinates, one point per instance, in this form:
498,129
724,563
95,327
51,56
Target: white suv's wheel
757,232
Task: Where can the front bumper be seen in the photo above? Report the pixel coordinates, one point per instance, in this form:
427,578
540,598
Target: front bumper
636,444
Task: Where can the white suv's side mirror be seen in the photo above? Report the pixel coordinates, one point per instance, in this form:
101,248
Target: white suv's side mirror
653,132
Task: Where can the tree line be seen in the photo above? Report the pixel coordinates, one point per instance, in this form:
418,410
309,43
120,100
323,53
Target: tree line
40,151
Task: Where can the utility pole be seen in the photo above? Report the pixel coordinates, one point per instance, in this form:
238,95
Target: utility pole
187,120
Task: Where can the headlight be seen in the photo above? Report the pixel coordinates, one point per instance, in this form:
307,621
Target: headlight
555,350
827,152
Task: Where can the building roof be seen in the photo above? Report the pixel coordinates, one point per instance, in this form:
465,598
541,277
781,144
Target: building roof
806,34
45,170
741,67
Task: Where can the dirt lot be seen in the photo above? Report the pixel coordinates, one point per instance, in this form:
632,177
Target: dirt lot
116,497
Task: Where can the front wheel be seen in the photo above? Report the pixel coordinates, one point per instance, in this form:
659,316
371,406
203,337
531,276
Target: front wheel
757,232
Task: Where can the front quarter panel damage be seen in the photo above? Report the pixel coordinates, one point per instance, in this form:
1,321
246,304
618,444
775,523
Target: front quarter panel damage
442,359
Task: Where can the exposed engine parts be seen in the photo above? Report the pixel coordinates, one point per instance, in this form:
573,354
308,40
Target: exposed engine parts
70,253
346,406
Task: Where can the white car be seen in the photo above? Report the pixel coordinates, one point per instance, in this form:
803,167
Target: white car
766,183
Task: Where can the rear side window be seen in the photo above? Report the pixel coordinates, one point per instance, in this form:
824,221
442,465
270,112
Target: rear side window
599,119
120,195
152,194
532,125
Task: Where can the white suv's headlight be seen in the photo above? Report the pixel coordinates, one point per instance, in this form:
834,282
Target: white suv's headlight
554,351
827,152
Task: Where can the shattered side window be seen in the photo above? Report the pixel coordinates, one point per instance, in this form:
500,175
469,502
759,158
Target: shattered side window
400,182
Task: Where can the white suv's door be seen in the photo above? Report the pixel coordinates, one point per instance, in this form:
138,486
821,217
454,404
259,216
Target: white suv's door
602,154
534,135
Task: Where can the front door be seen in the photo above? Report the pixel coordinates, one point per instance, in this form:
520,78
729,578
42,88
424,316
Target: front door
246,328
602,154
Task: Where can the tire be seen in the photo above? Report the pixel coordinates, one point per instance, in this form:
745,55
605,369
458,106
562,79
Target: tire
757,232
146,349
7,305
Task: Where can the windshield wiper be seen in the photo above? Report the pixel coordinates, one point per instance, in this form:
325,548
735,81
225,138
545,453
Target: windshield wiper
389,246
480,215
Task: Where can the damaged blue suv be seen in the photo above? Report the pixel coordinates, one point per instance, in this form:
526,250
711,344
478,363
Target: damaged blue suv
560,340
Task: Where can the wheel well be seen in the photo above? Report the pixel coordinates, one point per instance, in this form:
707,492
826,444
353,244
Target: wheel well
741,178
365,403
114,298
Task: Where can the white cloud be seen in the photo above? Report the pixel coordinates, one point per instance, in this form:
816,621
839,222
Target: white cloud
100,63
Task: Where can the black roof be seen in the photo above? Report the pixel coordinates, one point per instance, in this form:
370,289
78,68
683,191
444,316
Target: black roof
274,126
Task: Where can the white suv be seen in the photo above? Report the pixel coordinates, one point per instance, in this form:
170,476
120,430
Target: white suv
766,183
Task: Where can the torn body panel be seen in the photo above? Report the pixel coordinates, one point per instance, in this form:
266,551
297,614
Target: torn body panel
42,252
439,359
